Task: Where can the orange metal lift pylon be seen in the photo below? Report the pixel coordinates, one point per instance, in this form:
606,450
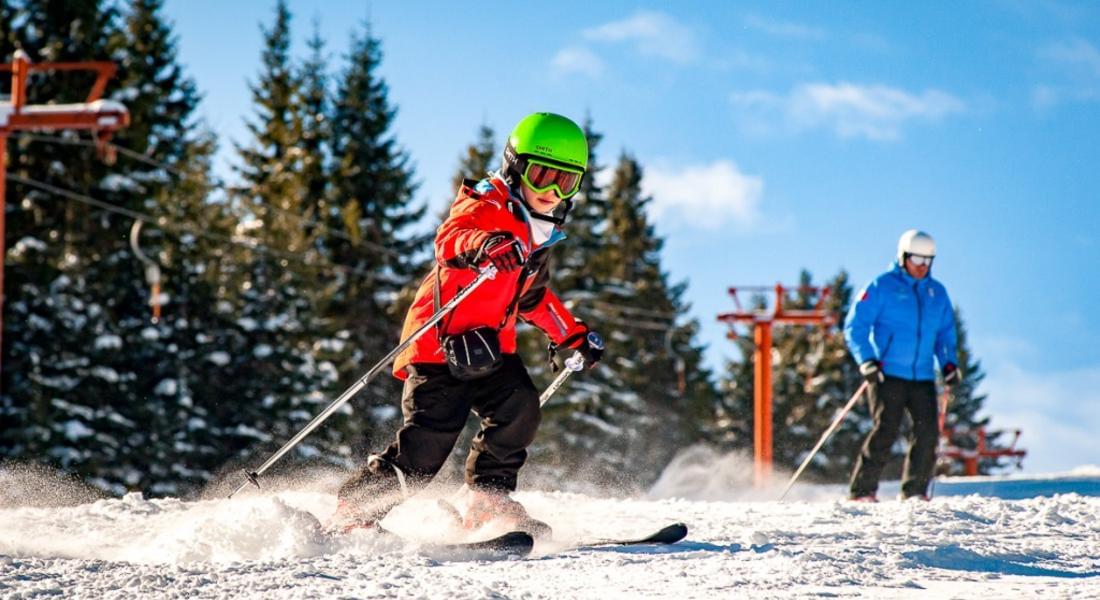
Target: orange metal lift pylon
102,117
762,321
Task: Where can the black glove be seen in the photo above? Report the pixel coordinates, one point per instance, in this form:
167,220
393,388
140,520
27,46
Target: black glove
503,251
951,375
872,371
587,342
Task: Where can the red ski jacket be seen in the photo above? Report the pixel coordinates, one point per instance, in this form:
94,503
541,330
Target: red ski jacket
475,215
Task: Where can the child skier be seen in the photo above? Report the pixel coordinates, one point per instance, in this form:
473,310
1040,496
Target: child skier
468,362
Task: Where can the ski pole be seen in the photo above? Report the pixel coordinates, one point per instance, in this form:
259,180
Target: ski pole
488,273
572,364
828,432
941,443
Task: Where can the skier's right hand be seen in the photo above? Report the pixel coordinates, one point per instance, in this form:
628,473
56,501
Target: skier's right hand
872,371
503,251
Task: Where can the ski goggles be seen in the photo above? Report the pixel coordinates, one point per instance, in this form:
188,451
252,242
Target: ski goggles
920,260
541,176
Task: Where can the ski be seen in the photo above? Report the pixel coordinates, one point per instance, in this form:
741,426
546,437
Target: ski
667,535
511,544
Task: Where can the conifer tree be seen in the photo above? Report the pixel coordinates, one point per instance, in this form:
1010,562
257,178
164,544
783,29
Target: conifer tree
124,414
60,372
170,396
625,419
585,226
478,160
963,404
278,383
373,190
316,130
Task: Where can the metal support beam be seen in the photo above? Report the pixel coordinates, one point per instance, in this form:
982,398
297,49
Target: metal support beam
762,402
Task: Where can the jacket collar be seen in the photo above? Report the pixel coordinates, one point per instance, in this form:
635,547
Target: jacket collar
899,271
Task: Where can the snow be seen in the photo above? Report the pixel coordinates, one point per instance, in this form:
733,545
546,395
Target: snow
105,373
108,341
74,430
25,245
166,387
110,112
219,358
264,544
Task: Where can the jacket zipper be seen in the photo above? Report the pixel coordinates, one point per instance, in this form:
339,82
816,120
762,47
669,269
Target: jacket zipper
916,352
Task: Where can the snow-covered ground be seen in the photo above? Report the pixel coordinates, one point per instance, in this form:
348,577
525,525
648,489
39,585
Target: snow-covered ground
742,543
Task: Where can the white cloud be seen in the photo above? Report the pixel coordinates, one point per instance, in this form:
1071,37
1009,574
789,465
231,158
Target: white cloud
1056,412
1075,53
875,112
577,59
704,196
653,34
784,29
1077,76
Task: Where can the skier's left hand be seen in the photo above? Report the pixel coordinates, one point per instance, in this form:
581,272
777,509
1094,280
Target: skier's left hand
587,342
950,374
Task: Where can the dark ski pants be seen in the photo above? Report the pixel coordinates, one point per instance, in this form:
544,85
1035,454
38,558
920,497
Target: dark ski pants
888,401
435,405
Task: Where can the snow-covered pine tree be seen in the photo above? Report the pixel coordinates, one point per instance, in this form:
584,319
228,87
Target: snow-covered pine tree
277,386
623,421
66,386
374,208
585,227
170,399
964,404
812,378
316,133
477,160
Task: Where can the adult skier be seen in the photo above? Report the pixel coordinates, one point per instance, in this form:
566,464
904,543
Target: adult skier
508,221
901,321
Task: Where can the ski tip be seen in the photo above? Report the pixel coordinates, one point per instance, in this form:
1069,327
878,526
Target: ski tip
671,534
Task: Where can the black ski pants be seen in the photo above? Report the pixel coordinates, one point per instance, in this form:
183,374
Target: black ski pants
435,405
889,400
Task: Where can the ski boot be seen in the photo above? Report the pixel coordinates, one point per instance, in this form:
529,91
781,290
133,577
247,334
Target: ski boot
499,511
367,497
351,516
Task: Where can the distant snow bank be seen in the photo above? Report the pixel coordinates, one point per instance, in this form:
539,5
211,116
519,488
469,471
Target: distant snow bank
702,473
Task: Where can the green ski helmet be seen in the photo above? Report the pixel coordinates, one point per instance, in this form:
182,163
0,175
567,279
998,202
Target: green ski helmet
546,151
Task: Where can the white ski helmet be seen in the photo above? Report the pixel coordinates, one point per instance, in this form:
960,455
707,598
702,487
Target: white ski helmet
915,242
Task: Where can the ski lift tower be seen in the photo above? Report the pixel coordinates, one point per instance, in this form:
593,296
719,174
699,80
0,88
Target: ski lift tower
762,321
101,117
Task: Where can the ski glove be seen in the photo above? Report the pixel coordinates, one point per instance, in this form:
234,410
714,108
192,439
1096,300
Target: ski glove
503,251
950,374
587,342
872,371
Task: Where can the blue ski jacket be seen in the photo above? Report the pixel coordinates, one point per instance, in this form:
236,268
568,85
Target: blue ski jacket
902,322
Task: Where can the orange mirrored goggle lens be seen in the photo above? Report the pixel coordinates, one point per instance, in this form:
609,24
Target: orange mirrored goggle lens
542,177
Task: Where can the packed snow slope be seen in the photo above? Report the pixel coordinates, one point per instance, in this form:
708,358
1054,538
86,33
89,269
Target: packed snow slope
742,543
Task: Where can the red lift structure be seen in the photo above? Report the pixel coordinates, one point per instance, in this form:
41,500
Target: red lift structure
762,321
970,457
101,117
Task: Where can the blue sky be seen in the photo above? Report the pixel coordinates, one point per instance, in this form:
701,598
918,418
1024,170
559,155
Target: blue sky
782,136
